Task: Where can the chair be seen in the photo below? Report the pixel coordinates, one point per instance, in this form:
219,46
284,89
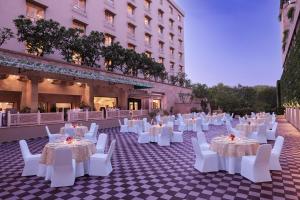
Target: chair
275,154
256,168
101,143
100,164
143,137
206,160
182,126
272,132
92,134
202,141
177,136
260,135
123,128
164,137
146,125
51,136
31,161
63,169
205,125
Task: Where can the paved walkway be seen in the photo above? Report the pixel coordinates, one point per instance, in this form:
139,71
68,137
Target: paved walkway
149,171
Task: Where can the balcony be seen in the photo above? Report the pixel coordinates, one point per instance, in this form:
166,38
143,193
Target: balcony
172,56
148,27
109,25
147,10
79,10
161,51
161,20
131,17
148,45
110,3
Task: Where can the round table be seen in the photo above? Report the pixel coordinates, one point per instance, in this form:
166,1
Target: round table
155,130
247,128
74,131
81,150
134,124
231,151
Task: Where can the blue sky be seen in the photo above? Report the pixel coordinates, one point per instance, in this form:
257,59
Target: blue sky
232,41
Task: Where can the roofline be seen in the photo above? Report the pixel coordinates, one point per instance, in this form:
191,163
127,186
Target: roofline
177,7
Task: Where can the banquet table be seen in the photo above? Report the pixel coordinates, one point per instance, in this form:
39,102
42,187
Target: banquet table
231,151
133,125
155,130
75,131
81,152
247,128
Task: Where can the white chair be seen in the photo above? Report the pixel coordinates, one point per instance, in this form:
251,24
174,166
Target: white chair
182,126
205,124
146,125
157,118
260,135
272,132
51,136
100,164
101,143
256,168
31,162
164,137
198,125
143,137
123,128
275,154
206,160
202,141
177,136
63,169
92,134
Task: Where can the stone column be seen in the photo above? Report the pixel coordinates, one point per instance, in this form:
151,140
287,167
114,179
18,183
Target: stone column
30,94
123,100
88,95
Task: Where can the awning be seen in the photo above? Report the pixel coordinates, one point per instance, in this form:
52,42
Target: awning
31,64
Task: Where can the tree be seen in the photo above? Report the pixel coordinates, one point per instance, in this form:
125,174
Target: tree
114,56
173,79
181,78
41,37
133,62
5,34
70,43
200,91
91,48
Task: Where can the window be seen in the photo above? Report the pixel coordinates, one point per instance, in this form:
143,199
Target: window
76,58
181,68
180,43
180,56
34,12
79,25
147,39
171,23
130,9
107,64
160,14
171,9
105,103
156,104
171,37
80,4
131,46
6,105
108,39
160,29
131,29
109,17
179,17
172,64
161,46
172,51
161,60
179,29
147,4
147,21
148,54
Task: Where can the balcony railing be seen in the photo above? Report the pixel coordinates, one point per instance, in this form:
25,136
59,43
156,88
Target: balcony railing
109,25
110,3
131,35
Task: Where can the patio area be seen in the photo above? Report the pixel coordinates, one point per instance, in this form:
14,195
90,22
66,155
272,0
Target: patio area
149,171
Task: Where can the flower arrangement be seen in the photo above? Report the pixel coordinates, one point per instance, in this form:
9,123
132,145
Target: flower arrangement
231,137
69,139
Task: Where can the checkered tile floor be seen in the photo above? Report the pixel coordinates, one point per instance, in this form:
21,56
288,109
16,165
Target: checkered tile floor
148,171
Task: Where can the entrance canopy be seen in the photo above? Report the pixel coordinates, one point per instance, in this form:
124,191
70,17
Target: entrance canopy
20,61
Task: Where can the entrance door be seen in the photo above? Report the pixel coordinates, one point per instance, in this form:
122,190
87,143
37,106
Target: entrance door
134,104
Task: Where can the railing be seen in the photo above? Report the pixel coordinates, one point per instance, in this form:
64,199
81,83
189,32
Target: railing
38,118
85,115
292,115
34,118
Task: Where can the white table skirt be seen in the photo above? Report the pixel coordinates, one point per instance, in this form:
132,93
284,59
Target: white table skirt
230,164
81,169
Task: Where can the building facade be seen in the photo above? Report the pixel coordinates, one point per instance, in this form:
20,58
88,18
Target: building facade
155,27
289,19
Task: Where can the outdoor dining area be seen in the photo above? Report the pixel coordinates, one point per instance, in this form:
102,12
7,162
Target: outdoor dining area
205,145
